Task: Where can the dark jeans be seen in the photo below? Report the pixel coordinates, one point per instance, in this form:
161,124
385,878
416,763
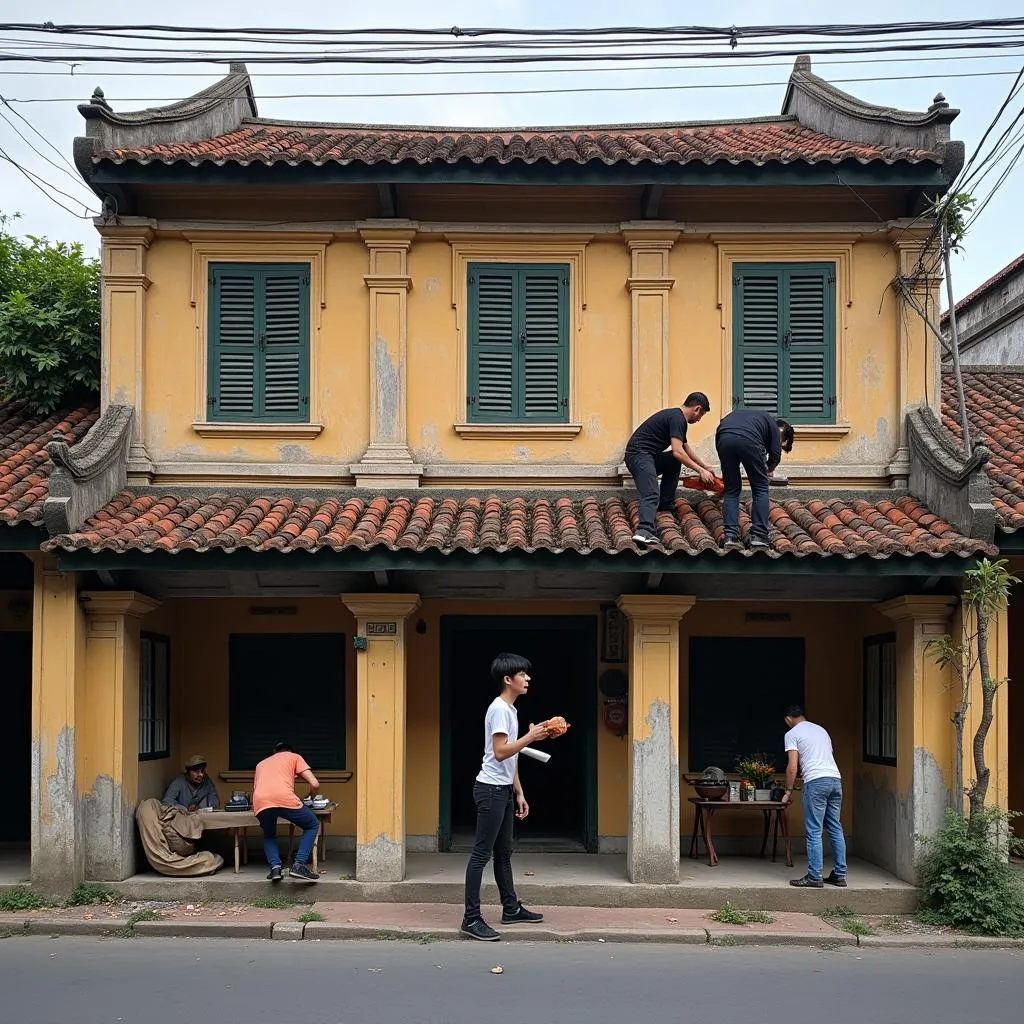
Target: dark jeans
645,470
734,452
495,812
301,816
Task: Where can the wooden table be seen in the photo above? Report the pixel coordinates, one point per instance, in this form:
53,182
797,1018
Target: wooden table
705,810
239,821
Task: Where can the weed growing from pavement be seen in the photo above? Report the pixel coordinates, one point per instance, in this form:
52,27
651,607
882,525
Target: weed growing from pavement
87,893
728,914
723,940
387,937
145,914
21,898
857,927
830,946
273,903
311,915
840,910
426,939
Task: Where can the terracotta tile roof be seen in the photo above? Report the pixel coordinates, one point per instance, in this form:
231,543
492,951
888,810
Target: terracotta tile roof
995,400
781,139
24,464
447,523
997,278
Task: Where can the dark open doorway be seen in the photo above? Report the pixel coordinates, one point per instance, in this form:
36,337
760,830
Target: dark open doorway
16,695
562,793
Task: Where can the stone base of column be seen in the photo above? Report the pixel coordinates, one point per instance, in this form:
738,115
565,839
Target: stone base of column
898,469
140,466
383,860
387,467
108,825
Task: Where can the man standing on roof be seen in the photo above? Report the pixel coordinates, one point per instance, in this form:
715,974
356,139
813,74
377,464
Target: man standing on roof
658,448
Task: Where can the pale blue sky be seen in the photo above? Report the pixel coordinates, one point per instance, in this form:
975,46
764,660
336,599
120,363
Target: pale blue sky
994,241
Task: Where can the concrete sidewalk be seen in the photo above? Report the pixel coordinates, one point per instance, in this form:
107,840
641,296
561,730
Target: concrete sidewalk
428,922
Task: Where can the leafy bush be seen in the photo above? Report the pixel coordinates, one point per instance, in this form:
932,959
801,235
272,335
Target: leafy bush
86,893
49,321
964,878
21,898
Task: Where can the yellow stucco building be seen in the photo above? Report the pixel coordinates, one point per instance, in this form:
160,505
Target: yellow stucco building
365,396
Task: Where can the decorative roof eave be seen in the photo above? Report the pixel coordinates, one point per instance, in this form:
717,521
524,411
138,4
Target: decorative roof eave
822,107
216,110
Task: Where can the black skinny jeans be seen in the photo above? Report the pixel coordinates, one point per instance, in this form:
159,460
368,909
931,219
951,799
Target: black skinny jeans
495,812
645,470
732,453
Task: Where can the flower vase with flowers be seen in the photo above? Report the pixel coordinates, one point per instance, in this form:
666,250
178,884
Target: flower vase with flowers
760,771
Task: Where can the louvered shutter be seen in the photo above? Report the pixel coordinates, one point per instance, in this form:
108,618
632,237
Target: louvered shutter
492,344
233,342
757,337
784,340
259,342
544,333
518,343
285,350
810,348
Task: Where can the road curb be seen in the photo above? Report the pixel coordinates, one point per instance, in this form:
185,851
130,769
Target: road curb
938,942
75,926
206,929
289,931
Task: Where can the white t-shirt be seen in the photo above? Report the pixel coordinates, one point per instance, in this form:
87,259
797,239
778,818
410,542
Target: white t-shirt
501,717
815,748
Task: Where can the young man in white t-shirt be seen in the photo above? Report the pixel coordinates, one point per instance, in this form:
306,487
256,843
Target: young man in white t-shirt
809,748
499,797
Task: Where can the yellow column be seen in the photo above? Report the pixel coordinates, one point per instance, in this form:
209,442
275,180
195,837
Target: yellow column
924,732
387,461
652,845
58,654
649,284
380,733
108,738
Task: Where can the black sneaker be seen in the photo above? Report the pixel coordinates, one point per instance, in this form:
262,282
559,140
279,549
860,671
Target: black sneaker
644,537
479,929
732,544
521,916
807,883
275,873
759,544
836,880
303,872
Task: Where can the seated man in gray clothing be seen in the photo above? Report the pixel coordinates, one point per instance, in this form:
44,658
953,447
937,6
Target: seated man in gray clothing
193,790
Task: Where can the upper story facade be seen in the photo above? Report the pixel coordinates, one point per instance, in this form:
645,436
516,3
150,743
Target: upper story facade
990,320
339,305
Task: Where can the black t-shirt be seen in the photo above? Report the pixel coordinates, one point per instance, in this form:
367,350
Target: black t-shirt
655,434
755,428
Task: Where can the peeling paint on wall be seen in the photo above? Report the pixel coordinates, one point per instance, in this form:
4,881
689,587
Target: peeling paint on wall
388,392
108,832
55,853
296,453
383,860
654,801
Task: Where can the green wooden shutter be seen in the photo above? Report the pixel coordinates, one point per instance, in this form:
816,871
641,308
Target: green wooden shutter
259,342
544,334
518,343
492,344
233,340
757,305
784,340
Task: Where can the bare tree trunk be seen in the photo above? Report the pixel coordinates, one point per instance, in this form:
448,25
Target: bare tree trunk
954,346
979,791
958,768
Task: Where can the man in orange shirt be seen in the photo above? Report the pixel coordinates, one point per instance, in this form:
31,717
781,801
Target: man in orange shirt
273,797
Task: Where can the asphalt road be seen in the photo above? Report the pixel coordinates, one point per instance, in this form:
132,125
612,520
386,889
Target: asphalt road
170,981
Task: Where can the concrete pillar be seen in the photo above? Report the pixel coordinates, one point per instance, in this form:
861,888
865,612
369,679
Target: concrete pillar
123,330
380,733
58,655
108,737
652,853
387,461
924,733
649,284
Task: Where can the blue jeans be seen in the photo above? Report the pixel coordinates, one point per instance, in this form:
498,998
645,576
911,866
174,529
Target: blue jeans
823,800
301,816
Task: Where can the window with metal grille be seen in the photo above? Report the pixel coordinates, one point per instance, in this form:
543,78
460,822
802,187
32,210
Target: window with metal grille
784,331
154,697
258,342
880,699
263,672
518,343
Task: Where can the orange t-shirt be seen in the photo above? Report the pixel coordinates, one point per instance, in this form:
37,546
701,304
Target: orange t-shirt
274,784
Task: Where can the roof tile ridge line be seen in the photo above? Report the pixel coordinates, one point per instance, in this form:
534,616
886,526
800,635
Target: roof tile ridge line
234,84
998,276
1012,369
803,78
536,129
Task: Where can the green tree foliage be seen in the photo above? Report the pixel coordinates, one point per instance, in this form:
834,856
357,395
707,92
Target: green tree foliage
49,321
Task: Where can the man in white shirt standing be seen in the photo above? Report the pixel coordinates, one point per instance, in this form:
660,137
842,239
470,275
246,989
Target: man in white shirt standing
499,797
809,748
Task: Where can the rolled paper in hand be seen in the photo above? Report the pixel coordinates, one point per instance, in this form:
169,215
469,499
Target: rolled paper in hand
537,755
556,726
